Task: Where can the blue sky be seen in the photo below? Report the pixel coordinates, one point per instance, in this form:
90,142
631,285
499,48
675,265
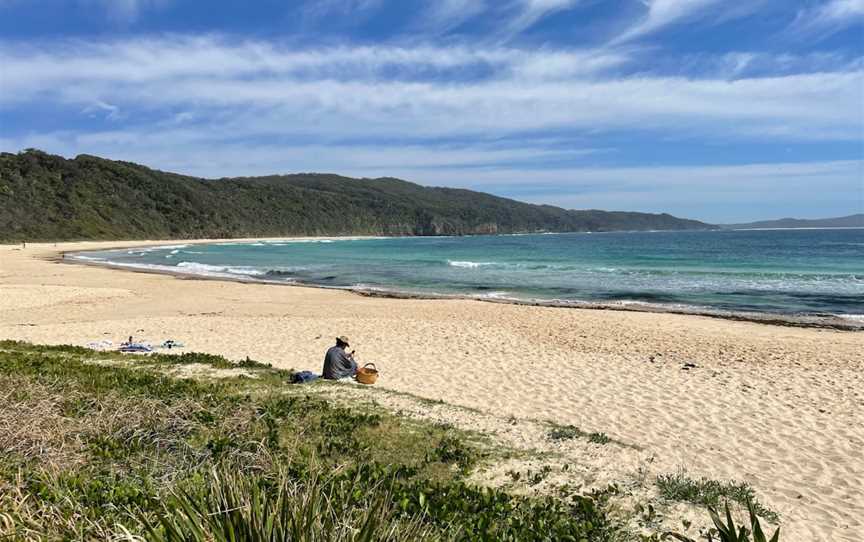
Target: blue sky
711,109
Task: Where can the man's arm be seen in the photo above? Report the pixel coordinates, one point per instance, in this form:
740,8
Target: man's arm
348,361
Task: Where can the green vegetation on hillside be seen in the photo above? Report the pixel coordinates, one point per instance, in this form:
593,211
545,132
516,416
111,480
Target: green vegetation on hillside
47,197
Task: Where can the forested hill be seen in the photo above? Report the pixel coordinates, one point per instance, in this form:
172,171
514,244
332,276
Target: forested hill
47,197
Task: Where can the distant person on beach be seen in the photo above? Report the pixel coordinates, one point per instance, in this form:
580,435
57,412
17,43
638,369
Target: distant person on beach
338,362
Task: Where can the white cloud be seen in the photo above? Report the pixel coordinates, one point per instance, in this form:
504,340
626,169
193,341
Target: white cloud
662,13
829,17
112,111
318,9
529,12
190,151
445,15
127,11
259,88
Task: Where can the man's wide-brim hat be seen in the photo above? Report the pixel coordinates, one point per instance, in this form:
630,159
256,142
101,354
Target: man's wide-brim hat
343,339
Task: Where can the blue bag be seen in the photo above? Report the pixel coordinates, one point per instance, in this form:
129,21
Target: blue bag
304,377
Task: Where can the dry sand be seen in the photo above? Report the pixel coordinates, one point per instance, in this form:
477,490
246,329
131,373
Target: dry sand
778,407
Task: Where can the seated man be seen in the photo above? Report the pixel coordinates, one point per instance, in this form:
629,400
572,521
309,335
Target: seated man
338,363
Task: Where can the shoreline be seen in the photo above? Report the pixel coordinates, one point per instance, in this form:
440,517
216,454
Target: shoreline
833,322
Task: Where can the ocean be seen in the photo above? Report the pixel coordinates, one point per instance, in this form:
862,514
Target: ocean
789,272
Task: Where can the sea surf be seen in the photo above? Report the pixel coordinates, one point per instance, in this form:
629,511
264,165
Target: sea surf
805,274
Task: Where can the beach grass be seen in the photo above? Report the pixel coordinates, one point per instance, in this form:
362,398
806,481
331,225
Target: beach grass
99,446
680,487
570,432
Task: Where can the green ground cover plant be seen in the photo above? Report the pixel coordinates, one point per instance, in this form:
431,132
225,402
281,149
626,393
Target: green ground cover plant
570,432
100,446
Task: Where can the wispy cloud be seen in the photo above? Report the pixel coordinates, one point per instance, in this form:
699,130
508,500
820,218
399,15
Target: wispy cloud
829,17
663,13
112,112
341,8
396,91
127,11
445,15
528,12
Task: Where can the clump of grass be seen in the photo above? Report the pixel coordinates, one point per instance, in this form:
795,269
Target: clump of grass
565,432
231,505
599,438
570,432
453,450
680,487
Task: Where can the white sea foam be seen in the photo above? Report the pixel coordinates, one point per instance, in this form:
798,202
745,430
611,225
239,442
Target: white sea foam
286,242
191,268
369,288
144,250
495,295
143,266
468,264
206,269
854,317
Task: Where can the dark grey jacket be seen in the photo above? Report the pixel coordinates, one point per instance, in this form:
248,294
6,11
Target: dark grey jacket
337,364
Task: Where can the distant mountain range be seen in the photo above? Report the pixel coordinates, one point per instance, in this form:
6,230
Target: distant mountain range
851,221
48,197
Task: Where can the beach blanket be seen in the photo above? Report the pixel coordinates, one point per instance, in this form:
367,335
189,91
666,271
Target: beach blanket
304,377
101,345
135,348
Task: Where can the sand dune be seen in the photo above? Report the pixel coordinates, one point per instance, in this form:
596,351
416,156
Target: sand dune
778,407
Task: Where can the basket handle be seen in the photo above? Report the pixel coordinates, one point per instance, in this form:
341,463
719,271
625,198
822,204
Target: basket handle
373,366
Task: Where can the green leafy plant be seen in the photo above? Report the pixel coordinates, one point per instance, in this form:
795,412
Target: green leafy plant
599,438
565,432
453,450
233,506
726,531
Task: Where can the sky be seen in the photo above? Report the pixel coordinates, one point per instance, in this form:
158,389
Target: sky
717,110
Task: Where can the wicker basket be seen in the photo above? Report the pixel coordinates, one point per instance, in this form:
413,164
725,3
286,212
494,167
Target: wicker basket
367,375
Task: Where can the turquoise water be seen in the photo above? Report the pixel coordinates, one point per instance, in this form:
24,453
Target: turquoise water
779,271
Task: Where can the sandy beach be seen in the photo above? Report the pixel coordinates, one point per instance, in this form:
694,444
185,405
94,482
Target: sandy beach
777,407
